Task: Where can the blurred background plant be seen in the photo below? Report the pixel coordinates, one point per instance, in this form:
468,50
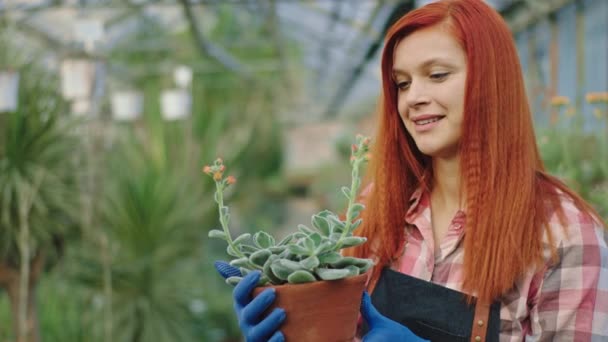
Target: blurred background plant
109,109
577,155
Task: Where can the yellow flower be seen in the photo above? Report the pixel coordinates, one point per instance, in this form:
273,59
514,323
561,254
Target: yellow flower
217,176
598,113
559,101
597,97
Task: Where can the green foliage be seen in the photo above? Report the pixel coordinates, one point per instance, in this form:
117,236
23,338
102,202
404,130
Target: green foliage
37,155
579,158
311,253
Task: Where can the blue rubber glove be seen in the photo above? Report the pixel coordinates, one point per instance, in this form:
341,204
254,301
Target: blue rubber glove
382,328
249,311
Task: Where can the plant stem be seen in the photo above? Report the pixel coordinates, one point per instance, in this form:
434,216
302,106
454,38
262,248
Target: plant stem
220,201
351,201
22,334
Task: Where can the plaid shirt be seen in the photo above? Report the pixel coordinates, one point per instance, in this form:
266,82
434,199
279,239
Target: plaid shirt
567,301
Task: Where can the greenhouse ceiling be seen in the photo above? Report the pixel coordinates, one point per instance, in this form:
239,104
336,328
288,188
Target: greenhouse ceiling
338,41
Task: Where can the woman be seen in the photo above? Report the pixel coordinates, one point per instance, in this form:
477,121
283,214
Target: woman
461,207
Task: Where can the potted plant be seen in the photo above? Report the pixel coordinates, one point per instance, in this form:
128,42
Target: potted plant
9,90
127,105
77,76
319,289
175,104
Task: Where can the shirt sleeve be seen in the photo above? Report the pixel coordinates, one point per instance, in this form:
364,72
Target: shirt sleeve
572,304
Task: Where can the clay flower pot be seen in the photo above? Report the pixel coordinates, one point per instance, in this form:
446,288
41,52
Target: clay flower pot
320,311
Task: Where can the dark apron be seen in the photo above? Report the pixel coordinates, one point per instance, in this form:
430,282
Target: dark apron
431,311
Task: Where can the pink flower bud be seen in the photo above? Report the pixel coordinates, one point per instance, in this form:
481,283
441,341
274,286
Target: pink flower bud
207,169
230,180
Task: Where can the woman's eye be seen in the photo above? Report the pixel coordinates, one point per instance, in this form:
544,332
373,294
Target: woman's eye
403,85
439,76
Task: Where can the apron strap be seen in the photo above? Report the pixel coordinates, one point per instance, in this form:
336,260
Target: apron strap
480,322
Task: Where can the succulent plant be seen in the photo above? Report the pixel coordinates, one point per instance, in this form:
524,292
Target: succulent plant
307,255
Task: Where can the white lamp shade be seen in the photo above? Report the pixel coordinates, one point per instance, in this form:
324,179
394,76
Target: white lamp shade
9,91
183,76
127,105
81,107
77,78
175,104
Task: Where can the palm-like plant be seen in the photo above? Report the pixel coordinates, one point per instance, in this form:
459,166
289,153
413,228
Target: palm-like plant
149,214
37,207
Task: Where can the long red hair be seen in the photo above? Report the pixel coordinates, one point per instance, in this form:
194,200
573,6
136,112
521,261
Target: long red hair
502,175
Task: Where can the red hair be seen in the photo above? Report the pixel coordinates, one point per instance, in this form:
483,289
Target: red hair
507,190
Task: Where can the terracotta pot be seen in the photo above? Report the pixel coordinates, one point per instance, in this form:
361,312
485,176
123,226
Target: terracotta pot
320,311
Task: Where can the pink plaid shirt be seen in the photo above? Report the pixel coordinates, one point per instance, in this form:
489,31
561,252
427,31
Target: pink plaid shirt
567,301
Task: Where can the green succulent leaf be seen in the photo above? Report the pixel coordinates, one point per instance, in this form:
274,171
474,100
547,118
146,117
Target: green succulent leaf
309,244
285,240
280,271
268,271
346,192
299,277
263,239
231,251
277,249
355,225
332,274
263,280
233,280
299,235
325,214
297,250
292,265
304,229
368,264
354,270
330,258
259,258
248,249
348,261
316,238
240,262
218,234
353,241
357,182
335,236
321,224
355,210
242,238
325,246
310,263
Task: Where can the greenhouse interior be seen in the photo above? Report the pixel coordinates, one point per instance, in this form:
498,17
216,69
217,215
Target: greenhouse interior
110,109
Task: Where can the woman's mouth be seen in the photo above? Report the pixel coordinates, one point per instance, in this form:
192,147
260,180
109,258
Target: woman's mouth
425,123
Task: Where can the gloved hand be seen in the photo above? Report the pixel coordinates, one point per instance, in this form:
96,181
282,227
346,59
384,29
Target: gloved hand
382,328
249,311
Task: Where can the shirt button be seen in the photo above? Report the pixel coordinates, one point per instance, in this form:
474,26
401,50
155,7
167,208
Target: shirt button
478,338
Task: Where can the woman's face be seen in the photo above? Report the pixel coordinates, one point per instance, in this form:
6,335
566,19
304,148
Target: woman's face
430,70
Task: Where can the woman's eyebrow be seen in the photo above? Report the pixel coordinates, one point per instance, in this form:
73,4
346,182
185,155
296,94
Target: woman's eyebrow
424,65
